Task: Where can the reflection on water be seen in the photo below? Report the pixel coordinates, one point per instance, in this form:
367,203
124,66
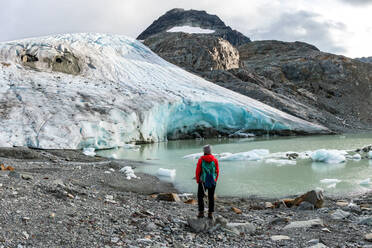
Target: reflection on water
261,178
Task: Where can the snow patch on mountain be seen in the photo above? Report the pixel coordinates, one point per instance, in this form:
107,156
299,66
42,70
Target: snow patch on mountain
103,91
190,30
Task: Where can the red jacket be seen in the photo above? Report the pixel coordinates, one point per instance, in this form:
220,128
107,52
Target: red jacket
207,158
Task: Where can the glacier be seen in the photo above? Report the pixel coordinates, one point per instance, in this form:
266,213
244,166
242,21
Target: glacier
73,91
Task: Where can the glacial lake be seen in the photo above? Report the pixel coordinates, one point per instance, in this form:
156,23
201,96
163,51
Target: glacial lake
265,177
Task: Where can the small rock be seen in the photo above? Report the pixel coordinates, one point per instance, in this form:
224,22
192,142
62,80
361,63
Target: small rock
173,197
269,205
280,220
150,227
114,239
246,228
191,201
326,230
27,177
70,196
14,174
304,224
340,214
279,237
342,203
25,234
319,245
366,221
305,206
236,210
313,242
315,197
368,237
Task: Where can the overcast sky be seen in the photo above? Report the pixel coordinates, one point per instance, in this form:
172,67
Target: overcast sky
337,26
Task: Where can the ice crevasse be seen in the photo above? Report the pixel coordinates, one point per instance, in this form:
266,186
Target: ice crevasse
102,91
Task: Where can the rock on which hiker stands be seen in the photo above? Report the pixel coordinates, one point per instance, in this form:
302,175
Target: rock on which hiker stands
304,224
279,237
173,197
340,214
314,197
199,225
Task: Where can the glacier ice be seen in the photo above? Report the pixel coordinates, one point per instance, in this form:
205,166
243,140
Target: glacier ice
129,172
166,172
89,151
103,91
329,156
330,180
365,182
253,155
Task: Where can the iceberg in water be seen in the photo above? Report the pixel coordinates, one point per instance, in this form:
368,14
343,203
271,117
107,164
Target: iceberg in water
329,156
330,181
166,172
103,91
253,155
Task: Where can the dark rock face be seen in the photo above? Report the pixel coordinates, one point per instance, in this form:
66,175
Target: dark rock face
336,88
365,59
195,51
195,18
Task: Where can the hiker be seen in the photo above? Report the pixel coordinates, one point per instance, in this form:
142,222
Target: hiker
207,171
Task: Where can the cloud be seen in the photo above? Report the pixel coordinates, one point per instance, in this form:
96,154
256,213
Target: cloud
302,26
357,2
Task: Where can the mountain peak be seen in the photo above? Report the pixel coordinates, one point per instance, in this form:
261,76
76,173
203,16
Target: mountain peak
195,18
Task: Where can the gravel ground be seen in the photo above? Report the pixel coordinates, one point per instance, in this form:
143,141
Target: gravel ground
65,199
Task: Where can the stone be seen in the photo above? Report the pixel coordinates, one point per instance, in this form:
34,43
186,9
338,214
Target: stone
326,230
305,206
27,177
269,205
368,237
342,203
314,197
304,224
150,227
340,214
365,221
246,228
172,197
199,225
313,242
191,201
236,210
279,237
14,174
319,245
279,220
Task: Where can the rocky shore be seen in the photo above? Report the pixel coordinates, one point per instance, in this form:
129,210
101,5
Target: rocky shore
62,198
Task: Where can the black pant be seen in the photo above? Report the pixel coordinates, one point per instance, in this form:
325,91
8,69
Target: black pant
210,198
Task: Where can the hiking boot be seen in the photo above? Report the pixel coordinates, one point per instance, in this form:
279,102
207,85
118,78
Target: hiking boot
210,215
201,215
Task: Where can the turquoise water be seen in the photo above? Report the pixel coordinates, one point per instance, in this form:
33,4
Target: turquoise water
259,178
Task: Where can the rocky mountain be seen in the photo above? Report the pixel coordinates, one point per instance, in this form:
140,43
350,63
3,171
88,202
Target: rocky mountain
294,77
103,91
194,18
365,59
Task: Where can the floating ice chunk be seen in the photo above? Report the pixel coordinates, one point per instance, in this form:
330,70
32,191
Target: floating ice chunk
280,162
89,151
332,186
328,156
241,135
193,156
128,171
190,30
330,181
253,155
365,182
356,157
131,146
370,154
166,172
